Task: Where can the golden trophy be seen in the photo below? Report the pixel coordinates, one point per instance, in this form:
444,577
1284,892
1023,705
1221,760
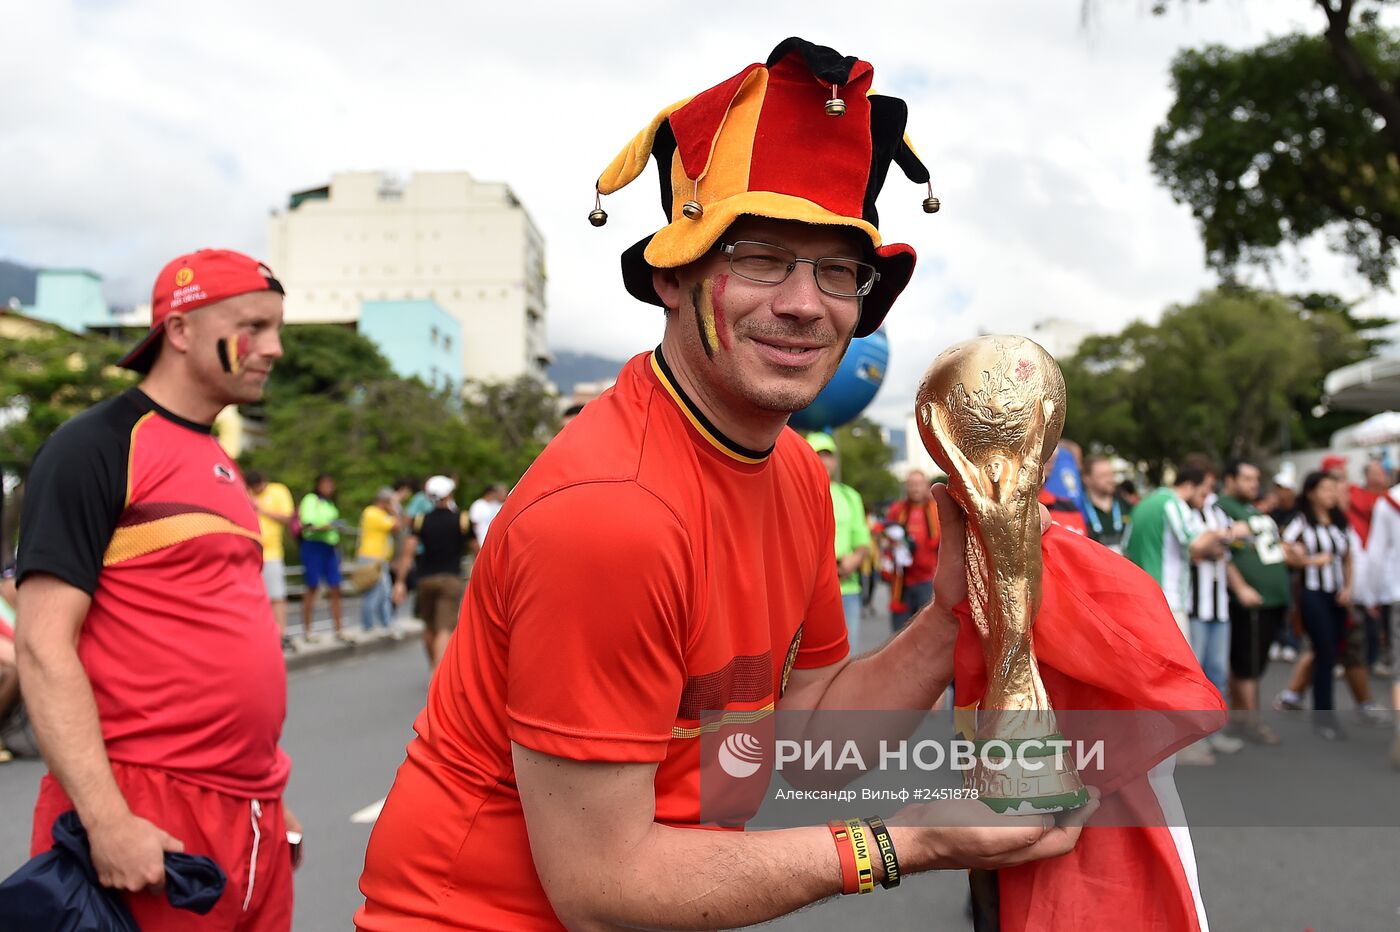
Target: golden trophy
990,412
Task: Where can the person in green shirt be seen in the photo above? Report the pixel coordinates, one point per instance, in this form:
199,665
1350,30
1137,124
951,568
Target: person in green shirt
1260,594
852,533
320,534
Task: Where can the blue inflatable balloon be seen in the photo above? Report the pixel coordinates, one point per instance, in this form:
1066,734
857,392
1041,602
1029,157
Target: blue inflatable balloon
851,389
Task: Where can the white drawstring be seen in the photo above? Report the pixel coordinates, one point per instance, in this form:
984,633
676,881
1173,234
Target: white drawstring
255,811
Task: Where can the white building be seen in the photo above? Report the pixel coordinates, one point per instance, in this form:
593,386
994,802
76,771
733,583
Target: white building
441,236
1061,336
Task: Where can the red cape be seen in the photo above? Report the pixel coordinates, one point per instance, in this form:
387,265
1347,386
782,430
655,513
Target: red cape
1105,640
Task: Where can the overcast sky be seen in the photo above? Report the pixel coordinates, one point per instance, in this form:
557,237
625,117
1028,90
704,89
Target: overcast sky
132,131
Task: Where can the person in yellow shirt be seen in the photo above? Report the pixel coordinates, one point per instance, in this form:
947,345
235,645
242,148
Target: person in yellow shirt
273,502
378,522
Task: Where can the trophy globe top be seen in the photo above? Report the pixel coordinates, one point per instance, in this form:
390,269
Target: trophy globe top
985,393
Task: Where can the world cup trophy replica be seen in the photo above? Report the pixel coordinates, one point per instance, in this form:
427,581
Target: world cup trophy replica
990,412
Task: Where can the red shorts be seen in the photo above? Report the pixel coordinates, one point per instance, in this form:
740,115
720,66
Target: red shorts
246,837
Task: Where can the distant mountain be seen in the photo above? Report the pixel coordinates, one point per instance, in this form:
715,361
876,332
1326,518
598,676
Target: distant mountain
569,368
16,281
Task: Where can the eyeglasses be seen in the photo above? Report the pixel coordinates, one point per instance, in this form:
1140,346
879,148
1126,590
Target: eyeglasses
771,265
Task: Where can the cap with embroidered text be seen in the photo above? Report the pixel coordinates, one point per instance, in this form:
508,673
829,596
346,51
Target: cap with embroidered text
192,281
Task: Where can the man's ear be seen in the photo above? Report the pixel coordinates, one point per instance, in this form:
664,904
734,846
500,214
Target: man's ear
668,287
178,333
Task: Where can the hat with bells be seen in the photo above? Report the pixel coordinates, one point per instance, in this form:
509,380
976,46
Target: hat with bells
801,137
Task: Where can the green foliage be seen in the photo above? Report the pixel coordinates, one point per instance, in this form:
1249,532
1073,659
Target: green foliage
45,380
1236,373
324,359
865,461
359,422
1273,144
522,413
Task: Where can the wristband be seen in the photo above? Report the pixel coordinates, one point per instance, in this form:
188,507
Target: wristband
847,853
860,844
884,847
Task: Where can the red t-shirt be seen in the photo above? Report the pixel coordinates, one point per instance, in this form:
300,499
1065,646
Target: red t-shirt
145,512
920,522
645,570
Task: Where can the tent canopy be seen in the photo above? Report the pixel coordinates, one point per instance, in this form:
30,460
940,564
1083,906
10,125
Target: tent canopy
1370,385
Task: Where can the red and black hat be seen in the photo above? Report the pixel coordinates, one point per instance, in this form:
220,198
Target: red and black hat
191,282
801,137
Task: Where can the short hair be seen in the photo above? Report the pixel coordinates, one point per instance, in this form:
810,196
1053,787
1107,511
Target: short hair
1127,487
573,410
1093,460
323,476
1195,468
1233,467
252,477
407,482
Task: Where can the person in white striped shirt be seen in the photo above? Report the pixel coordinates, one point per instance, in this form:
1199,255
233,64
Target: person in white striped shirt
1319,546
1209,610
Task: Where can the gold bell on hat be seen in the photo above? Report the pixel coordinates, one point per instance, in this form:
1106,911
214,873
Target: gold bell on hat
597,216
931,203
692,210
835,107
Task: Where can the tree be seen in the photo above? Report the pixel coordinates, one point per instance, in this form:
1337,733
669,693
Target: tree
45,380
1302,134
323,359
865,461
385,429
1231,374
521,414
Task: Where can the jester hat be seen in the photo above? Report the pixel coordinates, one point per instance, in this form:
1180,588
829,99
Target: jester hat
801,137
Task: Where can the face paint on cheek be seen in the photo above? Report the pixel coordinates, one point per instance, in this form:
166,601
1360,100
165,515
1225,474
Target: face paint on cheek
704,317
717,303
232,351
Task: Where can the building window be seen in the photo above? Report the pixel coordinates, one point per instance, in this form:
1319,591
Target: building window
447,342
433,335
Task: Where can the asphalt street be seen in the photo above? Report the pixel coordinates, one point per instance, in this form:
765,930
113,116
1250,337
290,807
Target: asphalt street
348,721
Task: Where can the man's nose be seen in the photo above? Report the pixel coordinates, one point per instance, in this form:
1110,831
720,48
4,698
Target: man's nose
799,297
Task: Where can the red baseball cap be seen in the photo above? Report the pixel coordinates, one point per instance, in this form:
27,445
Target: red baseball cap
1332,462
190,282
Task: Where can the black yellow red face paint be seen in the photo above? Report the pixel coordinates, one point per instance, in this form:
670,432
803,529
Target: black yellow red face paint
232,351
710,321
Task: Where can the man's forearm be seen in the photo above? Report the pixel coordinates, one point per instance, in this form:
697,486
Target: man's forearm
689,879
1235,579
58,697
910,671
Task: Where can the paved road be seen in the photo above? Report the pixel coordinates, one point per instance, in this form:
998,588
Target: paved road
348,722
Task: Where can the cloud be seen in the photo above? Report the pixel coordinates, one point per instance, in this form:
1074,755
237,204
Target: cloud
137,130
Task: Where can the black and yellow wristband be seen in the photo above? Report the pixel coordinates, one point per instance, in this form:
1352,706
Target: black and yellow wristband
884,845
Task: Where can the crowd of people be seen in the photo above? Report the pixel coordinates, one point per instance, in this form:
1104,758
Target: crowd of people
404,553
1250,574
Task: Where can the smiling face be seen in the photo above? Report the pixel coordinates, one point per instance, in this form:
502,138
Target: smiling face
755,346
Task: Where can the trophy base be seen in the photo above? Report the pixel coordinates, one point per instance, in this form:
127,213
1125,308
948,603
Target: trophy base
1030,780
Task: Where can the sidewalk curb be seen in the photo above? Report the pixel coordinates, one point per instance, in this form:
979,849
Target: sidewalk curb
332,653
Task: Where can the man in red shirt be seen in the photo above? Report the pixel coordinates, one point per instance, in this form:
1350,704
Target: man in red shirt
669,555
148,654
912,586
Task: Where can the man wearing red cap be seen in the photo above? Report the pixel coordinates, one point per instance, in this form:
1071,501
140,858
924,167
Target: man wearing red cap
148,653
